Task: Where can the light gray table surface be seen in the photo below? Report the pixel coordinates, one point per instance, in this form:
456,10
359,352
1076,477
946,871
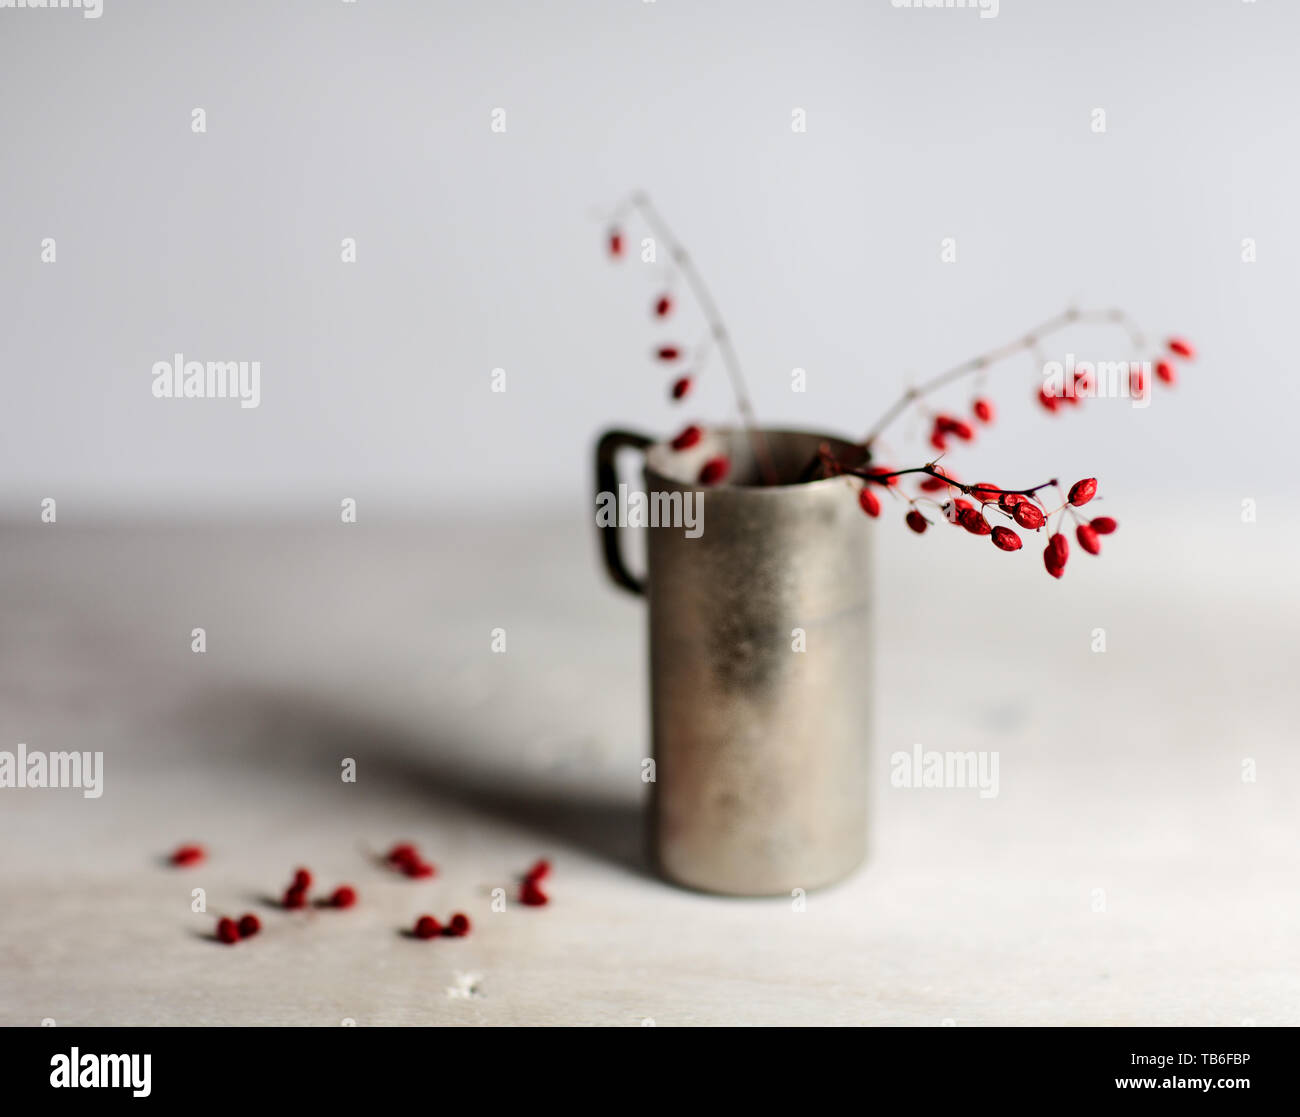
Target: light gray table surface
1126,873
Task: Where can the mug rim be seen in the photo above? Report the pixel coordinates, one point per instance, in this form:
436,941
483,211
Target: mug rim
785,487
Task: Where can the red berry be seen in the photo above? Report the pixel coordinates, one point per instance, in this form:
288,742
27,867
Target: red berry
188,855
426,927
1058,550
227,930
688,438
419,870
714,470
295,898
881,476
933,484
344,896
668,352
615,243
1103,525
916,521
1005,539
681,386
1048,400
402,853
962,430
870,502
1137,382
1028,515
1166,372
974,522
663,306
249,925
983,410
301,880
938,441
540,870
1010,500
1181,347
985,493
532,895
1083,491
1088,539
458,928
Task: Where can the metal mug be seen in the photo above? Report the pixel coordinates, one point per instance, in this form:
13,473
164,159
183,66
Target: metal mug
760,665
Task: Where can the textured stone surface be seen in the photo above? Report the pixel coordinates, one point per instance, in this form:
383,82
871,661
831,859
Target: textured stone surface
1118,771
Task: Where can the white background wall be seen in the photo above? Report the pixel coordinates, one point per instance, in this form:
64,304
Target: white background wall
478,250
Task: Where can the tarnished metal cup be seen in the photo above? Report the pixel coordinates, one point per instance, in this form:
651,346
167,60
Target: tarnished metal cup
760,666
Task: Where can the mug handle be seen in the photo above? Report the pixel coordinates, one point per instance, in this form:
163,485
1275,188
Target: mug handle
611,442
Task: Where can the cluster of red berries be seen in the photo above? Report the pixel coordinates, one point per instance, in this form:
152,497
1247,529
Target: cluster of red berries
1023,507
231,931
530,887
945,426
427,927
405,858
295,896
1081,383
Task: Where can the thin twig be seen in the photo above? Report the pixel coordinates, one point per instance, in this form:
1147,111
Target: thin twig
1029,340
716,328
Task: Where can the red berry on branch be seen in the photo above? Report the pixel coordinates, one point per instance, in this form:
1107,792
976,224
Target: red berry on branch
681,386
615,243
227,930
1048,400
962,430
426,927
933,485
188,855
1005,539
1088,539
983,410
344,896
1137,382
1058,550
916,521
1009,501
882,475
1028,515
540,870
870,502
531,894
1181,347
301,880
688,438
668,352
938,441
1166,373
974,522
1103,525
714,470
458,928
663,306
1083,491
419,870
249,925
985,493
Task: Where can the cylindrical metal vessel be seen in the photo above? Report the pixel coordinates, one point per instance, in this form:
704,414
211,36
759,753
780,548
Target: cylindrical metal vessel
760,667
